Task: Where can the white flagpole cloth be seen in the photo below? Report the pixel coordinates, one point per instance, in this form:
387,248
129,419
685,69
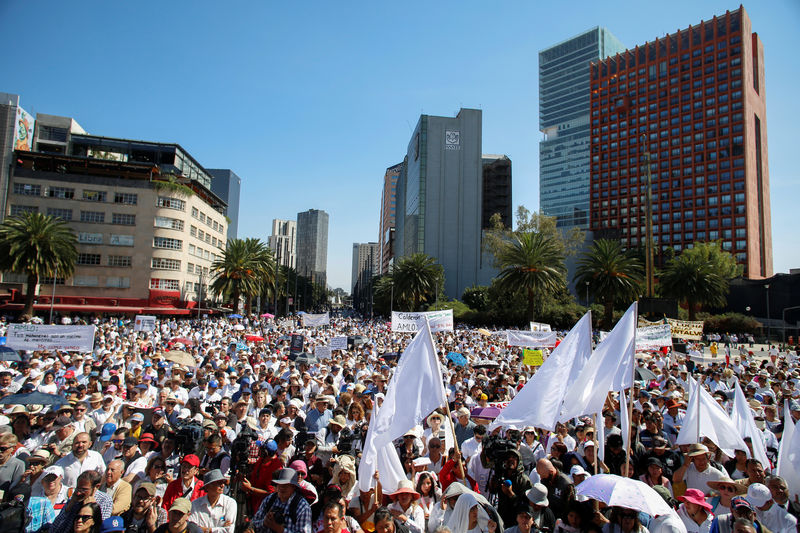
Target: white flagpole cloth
705,418
742,418
789,454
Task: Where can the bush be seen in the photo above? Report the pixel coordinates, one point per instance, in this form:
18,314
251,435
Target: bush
730,323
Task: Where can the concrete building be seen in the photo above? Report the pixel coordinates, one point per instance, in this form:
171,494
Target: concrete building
283,242
226,184
147,232
694,102
366,262
386,231
564,109
312,245
440,199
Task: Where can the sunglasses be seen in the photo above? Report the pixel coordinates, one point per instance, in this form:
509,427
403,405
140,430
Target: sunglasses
5,448
84,517
727,489
116,441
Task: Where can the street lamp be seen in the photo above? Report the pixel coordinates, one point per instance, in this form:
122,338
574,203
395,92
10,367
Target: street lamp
587,293
768,329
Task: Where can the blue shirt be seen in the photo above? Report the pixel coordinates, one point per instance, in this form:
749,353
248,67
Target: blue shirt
40,513
316,420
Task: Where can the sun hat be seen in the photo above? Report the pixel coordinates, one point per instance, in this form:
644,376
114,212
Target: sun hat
53,470
148,437
578,470
213,476
697,449
758,495
537,495
433,415
338,420
149,487
39,455
696,497
299,466
405,486
728,482
286,476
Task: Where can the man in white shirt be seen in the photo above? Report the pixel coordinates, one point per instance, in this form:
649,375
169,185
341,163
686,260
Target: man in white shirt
214,512
697,470
79,460
771,515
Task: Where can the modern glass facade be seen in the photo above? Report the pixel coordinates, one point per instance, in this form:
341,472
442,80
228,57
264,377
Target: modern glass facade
564,119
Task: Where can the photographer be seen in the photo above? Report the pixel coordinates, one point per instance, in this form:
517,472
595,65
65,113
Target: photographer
285,511
328,438
510,484
215,457
259,483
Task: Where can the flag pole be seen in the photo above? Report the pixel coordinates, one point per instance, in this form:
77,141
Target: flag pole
630,404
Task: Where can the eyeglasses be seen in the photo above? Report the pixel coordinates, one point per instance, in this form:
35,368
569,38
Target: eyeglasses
5,448
159,467
84,517
118,441
727,489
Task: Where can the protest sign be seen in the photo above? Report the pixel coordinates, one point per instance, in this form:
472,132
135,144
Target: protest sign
684,329
322,352
531,339
532,357
144,323
653,337
43,337
538,326
296,345
338,343
457,358
322,319
410,322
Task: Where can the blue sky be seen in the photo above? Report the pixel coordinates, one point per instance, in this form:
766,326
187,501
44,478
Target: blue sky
309,102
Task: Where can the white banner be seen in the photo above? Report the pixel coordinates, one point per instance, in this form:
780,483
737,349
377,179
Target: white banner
43,337
323,352
530,339
338,343
144,323
683,329
316,320
653,337
538,326
411,322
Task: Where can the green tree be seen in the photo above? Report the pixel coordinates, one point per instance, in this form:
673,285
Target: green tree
694,280
476,297
724,262
245,267
416,279
36,246
614,275
533,263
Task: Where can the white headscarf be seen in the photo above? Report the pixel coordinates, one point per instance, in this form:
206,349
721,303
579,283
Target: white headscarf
459,519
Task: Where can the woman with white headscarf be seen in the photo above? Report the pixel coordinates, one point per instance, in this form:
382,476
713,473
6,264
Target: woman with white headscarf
470,517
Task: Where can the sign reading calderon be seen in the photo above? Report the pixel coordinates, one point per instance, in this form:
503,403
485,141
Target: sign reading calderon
411,322
44,337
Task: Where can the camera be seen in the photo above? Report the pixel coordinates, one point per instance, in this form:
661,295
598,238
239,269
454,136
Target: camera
347,436
497,449
188,438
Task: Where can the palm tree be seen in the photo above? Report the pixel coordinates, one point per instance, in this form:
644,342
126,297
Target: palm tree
244,269
416,280
613,276
693,279
532,262
37,245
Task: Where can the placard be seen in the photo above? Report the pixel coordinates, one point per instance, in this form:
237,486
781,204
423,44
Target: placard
322,319
144,323
457,358
338,343
323,352
411,322
531,339
532,357
538,326
46,337
296,344
684,329
653,337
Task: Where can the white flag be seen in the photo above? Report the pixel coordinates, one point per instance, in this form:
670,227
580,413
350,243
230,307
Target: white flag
624,422
714,423
742,418
789,454
609,368
414,391
539,401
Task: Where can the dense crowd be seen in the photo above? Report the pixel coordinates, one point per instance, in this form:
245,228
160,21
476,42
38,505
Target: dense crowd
243,434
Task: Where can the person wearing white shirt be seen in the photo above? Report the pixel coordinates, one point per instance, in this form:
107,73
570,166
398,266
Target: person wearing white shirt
214,512
473,445
771,515
135,462
79,460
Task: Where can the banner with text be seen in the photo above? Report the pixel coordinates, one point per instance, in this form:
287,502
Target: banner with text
532,357
410,322
296,344
538,326
322,352
531,339
44,337
338,343
683,329
144,323
322,319
653,337
643,322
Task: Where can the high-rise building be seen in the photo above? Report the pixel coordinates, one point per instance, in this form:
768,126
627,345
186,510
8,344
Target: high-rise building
564,120
366,262
226,184
694,102
496,190
387,221
312,245
440,199
283,242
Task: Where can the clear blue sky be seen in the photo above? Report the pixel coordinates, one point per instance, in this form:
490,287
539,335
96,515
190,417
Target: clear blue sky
309,102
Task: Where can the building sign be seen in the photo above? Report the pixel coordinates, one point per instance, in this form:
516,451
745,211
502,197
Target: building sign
23,131
90,238
44,337
452,140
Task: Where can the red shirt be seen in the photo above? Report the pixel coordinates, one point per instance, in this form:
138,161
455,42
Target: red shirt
261,478
448,475
175,491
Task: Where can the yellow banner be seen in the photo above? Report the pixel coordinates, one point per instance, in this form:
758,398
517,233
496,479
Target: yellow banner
532,357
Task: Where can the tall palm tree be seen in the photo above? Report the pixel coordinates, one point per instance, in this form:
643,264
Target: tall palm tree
416,279
37,246
531,262
695,280
244,269
613,275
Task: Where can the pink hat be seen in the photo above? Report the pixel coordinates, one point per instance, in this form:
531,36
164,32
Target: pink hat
695,496
299,466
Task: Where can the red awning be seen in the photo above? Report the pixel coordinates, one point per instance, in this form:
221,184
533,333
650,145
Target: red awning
88,309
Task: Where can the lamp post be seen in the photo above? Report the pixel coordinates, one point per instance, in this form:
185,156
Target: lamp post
768,328
587,293
53,296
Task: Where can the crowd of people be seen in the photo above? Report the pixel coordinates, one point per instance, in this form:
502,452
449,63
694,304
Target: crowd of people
245,435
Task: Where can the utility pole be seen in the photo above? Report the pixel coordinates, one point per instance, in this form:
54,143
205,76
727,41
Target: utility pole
53,296
649,221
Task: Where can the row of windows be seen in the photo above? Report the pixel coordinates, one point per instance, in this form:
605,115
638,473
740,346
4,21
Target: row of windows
207,220
201,253
165,284
206,237
85,216
117,282
191,268
171,203
68,193
169,223
167,243
162,263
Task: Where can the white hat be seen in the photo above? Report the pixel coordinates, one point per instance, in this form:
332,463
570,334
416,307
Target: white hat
758,495
55,470
578,470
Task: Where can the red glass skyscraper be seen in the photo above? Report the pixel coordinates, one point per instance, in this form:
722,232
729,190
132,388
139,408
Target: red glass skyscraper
694,103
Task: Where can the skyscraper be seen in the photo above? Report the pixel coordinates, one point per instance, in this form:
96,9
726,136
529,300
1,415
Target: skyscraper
283,242
387,221
564,120
312,245
226,184
440,199
694,102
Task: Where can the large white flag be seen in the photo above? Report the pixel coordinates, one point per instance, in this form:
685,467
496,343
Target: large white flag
414,391
539,402
714,423
742,418
789,454
610,368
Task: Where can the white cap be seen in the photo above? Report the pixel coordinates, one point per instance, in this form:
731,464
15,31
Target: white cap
56,470
758,495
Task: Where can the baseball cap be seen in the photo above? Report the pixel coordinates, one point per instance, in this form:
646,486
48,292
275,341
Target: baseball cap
182,505
53,470
112,523
191,459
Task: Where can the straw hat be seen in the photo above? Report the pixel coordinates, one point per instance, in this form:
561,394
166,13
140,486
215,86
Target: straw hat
727,482
406,486
697,449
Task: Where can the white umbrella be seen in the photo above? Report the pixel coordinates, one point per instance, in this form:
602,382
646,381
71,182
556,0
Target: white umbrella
238,327
617,491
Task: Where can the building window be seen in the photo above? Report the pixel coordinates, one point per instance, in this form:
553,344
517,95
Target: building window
66,193
171,203
17,210
190,268
195,212
167,243
193,231
118,282
120,260
123,219
93,216
121,240
49,281
88,259
63,214
165,284
126,198
161,263
94,196
27,189
85,281
169,223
